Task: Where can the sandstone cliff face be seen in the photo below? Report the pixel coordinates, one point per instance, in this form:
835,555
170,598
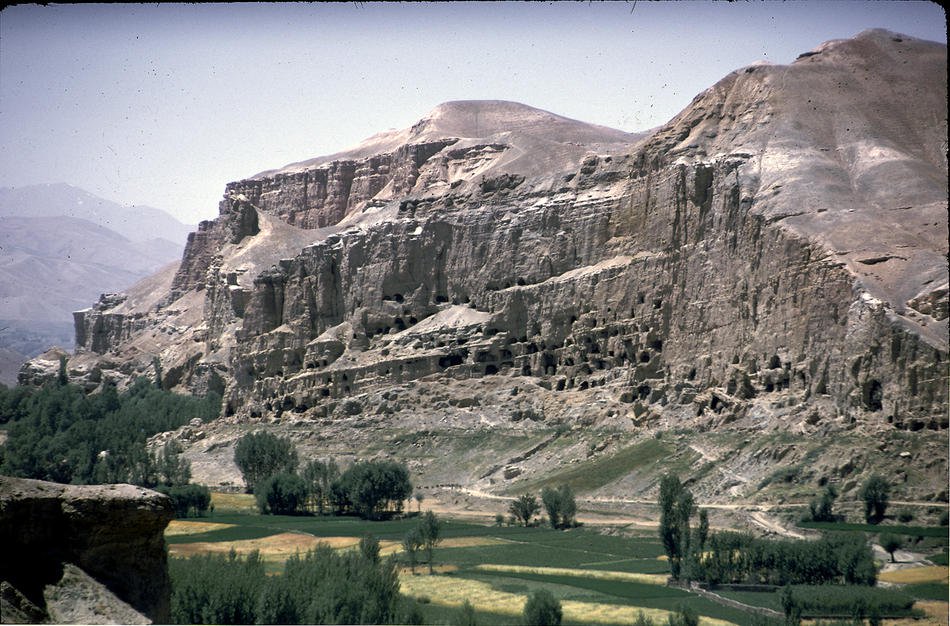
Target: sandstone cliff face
61,540
779,244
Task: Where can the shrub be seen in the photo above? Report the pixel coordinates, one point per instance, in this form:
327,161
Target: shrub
945,518
905,516
542,609
261,455
822,508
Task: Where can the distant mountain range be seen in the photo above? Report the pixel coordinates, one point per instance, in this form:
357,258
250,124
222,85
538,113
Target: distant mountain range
60,247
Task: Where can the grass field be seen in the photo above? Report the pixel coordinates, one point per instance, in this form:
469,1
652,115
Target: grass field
585,477
934,573
938,532
599,579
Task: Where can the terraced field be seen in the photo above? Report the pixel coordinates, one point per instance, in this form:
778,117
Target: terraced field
600,579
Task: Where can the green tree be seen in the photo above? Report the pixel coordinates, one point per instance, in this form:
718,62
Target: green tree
281,494
684,616
430,530
411,544
560,506
524,508
373,488
419,496
822,507
542,609
261,455
891,544
876,493
465,616
170,467
320,476
369,548
676,507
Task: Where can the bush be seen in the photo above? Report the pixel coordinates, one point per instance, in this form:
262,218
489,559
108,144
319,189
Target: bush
945,518
542,609
281,494
904,516
261,455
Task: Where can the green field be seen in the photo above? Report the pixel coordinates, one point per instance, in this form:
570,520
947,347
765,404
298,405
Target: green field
938,532
579,550
605,578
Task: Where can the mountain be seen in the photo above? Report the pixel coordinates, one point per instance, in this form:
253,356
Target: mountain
138,223
506,298
54,262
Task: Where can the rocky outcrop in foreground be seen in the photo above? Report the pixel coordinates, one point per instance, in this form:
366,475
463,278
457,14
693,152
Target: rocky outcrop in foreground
82,554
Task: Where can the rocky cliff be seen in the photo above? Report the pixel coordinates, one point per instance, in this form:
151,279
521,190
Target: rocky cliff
775,257
90,554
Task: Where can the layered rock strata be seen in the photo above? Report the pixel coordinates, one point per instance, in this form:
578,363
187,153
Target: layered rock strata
781,242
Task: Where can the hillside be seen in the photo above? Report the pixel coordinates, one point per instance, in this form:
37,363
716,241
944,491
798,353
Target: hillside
56,261
505,297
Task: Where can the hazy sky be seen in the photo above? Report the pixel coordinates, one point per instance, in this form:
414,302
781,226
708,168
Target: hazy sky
164,104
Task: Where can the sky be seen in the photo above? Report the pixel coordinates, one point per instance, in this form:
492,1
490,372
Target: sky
162,105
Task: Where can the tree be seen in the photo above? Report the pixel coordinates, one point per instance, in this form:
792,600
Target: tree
542,609
170,467
875,493
430,530
369,547
319,476
411,544
702,533
373,487
891,544
560,506
676,507
419,498
465,615
261,455
821,508
684,616
524,508
281,494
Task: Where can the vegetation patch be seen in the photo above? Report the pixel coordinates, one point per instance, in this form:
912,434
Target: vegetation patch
179,527
649,579
273,548
585,477
912,531
910,575
233,502
454,591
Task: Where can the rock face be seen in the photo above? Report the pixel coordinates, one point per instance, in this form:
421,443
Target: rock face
93,554
782,242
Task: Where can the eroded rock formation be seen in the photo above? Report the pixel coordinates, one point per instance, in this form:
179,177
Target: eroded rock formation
781,243
83,554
